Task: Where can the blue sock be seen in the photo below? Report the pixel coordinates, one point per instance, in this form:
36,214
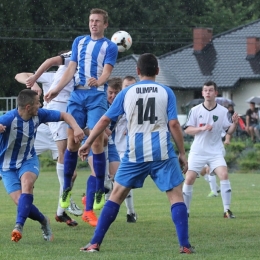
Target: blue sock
180,219
70,163
90,192
99,164
35,214
106,218
24,207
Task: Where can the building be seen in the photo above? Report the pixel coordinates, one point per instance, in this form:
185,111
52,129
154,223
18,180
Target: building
231,59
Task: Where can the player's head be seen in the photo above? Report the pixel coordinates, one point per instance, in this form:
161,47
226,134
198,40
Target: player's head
127,81
29,100
98,22
209,90
210,83
114,87
147,65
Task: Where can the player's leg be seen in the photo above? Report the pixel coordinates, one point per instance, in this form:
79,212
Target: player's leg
187,189
171,183
128,175
96,106
77,110
196,164
89,215
225,188
107,217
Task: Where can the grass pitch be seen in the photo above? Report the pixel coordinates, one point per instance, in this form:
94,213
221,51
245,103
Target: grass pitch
152,237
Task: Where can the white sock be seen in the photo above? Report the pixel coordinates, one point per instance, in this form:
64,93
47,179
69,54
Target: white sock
60,173
225,188
213,183
187,195
129,202
206,177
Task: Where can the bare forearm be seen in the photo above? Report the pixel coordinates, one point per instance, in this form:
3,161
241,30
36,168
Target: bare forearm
177,135
69,119
100,127
54,61
192,130
22,77
232,129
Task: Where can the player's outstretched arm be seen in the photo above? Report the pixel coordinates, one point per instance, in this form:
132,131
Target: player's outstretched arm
54,61
22,78
177,135
66,78
233,127
100,127
78,132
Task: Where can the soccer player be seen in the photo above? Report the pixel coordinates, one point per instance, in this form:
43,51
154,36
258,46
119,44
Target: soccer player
206,122
54,136
151,114
19,164
92,60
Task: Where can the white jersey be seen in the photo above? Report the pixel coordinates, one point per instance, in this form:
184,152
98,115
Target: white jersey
65,92
46,80
208,142
120,134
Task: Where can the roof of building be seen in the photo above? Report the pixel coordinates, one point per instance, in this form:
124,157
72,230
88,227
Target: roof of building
224,60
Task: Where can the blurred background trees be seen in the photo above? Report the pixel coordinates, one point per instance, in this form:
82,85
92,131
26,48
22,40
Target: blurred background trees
31,30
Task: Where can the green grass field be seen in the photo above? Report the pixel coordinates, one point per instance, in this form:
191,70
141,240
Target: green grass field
153,236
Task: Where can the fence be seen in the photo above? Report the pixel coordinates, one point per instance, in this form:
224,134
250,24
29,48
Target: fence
7,103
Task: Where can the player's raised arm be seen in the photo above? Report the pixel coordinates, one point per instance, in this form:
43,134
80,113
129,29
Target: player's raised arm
23,77
48,63
66,78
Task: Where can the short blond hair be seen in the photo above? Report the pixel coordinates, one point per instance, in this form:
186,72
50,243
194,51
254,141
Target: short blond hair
100,11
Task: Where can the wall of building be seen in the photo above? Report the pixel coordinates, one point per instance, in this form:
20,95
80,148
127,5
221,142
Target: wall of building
240,94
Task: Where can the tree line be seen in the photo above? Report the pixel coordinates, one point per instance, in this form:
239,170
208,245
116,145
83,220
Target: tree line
31,30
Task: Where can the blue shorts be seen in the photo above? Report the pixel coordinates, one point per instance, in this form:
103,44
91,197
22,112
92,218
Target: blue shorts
87,106
112,153
166,174
11,179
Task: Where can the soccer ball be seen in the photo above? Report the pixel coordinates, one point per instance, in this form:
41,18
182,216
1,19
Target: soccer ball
123,40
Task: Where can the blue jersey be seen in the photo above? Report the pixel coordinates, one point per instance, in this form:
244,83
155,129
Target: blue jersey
91,56
17,142
148,107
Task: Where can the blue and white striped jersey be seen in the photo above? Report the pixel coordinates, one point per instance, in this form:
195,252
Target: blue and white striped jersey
91,56
17,142
148,107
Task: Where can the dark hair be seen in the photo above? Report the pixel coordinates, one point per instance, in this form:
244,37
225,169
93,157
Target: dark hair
147,64
63,51
115,83
100,11
26,97
210,83
129,78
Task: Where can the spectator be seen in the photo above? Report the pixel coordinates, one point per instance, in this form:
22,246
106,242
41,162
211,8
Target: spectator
251,121
230,114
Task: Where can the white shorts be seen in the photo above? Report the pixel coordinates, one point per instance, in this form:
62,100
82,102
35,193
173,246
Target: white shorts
44,141
197,162
58,129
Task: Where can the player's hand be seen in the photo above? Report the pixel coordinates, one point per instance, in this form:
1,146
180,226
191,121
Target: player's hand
51,95
30,81
206,128
37,89
2,128
235,118
92,82
84,151
183,162
78,135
